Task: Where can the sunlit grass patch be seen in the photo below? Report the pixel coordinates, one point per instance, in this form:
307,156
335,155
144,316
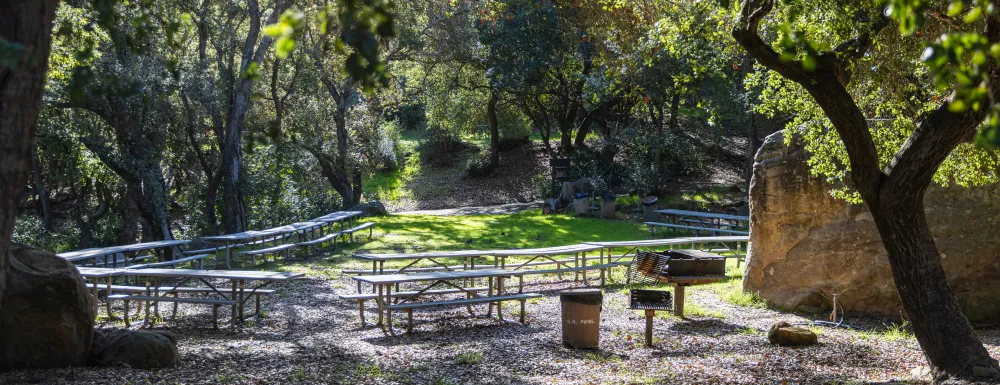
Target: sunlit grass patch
469,358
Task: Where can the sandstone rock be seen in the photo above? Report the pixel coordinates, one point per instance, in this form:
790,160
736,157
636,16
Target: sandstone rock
783,334
137,349
47,316
566,194
806,246
370,209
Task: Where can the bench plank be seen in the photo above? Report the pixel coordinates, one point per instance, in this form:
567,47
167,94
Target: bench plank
409,293
268,250
462,302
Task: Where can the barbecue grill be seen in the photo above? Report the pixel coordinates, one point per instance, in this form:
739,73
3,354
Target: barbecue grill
680,267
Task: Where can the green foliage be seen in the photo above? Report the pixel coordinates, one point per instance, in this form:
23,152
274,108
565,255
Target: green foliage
479,166
469,358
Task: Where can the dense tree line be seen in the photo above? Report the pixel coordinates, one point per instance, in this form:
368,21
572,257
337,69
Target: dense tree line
195,117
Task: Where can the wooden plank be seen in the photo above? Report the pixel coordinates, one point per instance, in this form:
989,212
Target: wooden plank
352,297
101,251
214,274
464,301
558,250
436,276
98,272
205,301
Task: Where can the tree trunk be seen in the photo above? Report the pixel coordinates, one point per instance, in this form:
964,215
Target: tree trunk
232,153
944,334
43,194
491,113
29,24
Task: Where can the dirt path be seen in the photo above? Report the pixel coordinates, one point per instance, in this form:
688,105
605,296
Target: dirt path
511,208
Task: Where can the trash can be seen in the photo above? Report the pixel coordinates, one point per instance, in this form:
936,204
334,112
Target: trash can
649,208
581,318
581,204
609,206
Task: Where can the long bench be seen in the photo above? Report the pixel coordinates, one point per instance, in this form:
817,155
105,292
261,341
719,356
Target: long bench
180,289
367,225
315,243
173,263
714,231
361,298
216,303
409,307
274,250
457,267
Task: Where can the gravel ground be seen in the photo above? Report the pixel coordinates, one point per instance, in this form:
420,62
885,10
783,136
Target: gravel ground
310,337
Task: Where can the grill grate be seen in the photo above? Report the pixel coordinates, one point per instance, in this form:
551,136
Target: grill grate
646,268
649,299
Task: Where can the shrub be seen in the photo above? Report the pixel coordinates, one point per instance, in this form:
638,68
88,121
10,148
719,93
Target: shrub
479,167
441,148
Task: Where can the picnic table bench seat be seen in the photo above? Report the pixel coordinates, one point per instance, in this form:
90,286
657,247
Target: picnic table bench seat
458,267
315,243
361,298
653,225
285,248
201,251
566,269
119,260
200,258
216,303
181,289
408,307
367,225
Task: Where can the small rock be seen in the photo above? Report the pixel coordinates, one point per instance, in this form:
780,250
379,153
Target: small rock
138,349
783,334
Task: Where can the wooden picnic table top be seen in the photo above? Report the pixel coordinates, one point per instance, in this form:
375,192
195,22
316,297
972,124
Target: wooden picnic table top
702,214
671,241
434,276
99,251
214,274
424,255
98,272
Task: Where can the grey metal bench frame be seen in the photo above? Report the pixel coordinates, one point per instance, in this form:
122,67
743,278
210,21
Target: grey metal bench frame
216,303
408,307
361,298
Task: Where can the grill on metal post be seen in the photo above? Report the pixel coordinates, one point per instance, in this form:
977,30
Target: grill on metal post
646,269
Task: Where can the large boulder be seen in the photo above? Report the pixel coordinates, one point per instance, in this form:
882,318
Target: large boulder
806,246
46,313
138,349
369,209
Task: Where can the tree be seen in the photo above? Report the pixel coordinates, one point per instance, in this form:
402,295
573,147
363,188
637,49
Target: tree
25,39
893,192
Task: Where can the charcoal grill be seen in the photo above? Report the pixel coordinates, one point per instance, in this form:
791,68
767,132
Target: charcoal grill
679,267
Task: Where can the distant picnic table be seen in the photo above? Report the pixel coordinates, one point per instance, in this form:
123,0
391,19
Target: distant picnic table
230,241
122,254
695,221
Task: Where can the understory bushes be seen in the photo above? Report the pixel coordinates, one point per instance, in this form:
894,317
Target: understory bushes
626,163
443,148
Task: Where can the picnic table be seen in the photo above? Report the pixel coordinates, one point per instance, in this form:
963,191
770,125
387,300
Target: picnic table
722,242
127,253
229,241
707,219
578,251
499,259
237,293
496,292
96,273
